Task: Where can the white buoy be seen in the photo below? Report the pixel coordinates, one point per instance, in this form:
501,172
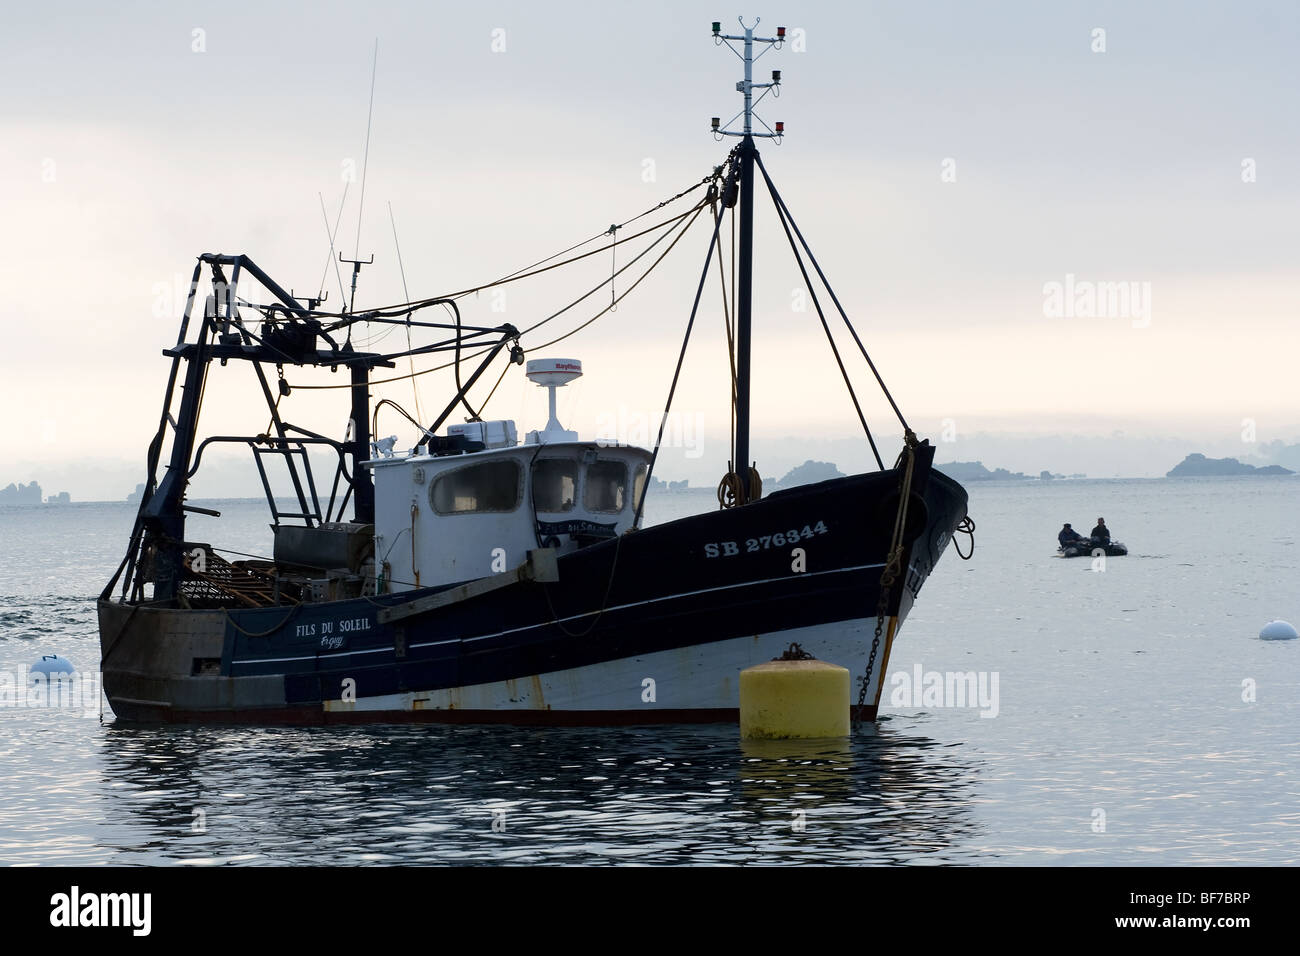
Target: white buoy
52,667
1278,631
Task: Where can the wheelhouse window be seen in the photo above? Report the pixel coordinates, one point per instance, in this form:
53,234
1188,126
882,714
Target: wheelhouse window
555,484
606,486
487,486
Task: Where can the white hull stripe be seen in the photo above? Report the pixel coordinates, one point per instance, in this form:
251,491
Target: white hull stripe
563,620
700,677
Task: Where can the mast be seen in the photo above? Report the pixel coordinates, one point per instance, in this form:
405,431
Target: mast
745,284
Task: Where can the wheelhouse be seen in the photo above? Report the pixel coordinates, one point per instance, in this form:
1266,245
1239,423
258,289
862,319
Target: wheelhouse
441,518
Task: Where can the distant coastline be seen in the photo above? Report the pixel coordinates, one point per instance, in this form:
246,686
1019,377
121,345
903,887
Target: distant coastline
975,471
1197,465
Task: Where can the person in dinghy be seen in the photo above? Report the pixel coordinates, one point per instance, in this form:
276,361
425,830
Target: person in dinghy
1073,545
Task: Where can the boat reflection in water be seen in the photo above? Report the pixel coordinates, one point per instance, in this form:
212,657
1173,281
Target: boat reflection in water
423,794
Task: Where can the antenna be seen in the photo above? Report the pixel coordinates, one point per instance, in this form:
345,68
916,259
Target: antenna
312,301
356,260
365,160
356,271
747,85
746,489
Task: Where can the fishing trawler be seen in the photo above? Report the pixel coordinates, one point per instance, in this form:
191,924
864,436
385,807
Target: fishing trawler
480,578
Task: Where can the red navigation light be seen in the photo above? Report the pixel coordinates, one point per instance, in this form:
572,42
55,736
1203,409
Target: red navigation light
780,33
780,128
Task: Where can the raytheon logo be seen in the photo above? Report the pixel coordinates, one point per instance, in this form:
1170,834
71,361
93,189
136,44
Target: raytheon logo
102,909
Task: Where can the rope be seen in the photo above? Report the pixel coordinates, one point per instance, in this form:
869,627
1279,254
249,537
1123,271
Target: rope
112,646
966,527
729,490
292,611
604,601
500,378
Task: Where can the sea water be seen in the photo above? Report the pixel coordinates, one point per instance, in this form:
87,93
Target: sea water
1037,710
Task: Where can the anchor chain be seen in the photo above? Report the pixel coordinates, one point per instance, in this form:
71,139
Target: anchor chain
893,565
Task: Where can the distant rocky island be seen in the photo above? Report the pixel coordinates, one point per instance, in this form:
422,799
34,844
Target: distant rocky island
30,494
656,484
808,473
20,494
1198,466
975,471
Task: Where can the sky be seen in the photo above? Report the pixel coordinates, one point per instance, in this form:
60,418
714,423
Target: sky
1065,231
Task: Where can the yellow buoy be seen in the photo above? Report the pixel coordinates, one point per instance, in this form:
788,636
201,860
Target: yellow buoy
782,699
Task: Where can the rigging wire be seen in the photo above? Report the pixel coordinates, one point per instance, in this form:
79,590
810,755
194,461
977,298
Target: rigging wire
698,209
374,415
681,357
401,308
726,324
410,358
633,261
483,405
677,220
460,389
785,224
599,235
332,258
613,262
527,271
811,258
